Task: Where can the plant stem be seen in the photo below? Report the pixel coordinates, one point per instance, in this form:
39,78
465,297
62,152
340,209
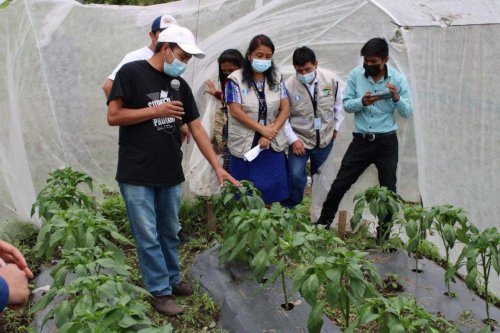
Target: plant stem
486,274
347,312
416,260
283,285
447,282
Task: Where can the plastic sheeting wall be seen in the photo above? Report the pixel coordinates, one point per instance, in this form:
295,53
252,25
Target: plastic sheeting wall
55,55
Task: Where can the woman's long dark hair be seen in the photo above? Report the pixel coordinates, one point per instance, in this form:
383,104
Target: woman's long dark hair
247,65
232,56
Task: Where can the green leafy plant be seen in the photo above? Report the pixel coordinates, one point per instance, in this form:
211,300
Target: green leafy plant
264,237
393,243
452,225
391,282
429,250
73,228
112,207
253,237
399,314
480,255
62,191
98,303
381,202
232,198
416,223
346,276
300,242
247,232
88,261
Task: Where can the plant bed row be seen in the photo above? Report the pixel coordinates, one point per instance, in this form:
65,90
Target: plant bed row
328,274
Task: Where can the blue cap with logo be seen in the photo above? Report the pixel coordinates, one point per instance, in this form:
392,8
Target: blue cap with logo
162,22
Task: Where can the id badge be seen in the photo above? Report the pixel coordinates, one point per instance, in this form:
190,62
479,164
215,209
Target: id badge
262,122
317,123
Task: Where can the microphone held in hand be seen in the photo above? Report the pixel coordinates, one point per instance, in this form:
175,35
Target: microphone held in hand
175,84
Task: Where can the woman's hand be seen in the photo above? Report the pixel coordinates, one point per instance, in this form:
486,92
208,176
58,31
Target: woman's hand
268,132
210,87
264,143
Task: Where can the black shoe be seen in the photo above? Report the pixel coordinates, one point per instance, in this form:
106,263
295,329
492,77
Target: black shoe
324,221
182,236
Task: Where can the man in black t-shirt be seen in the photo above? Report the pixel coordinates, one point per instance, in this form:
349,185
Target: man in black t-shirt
149,169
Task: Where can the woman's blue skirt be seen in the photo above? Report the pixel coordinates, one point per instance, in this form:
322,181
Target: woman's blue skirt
267,172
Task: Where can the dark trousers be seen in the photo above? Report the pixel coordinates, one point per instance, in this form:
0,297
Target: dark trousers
383,152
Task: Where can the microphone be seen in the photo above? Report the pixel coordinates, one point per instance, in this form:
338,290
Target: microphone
175,84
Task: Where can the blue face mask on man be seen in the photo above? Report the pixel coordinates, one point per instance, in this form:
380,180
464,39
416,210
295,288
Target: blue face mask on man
260,66
176,68
306,78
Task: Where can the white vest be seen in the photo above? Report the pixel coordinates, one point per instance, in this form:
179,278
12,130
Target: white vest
240,137
302,112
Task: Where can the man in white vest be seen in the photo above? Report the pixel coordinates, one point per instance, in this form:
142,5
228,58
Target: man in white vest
315,118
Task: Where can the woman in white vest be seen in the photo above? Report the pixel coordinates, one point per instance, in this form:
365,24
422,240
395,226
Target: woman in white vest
258,108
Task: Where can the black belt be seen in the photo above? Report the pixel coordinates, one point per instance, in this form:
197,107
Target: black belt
372,136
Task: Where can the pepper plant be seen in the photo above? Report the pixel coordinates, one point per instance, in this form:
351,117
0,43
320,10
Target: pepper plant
247,232
98,303
73,228
112,207
399,314
381,202
243,197
346,276
62,191
253,237
480,254
416,222
300,242
451,224
88,261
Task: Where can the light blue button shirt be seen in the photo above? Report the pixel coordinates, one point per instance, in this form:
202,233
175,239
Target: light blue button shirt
378,117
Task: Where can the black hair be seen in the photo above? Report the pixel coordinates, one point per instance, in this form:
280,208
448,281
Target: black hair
303,55
232,56
159,45
247,65
376,47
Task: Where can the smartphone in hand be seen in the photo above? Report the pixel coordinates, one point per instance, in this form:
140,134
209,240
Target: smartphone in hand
382,95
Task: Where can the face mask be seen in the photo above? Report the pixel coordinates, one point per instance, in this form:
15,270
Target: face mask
306,78
175,69
260,66
371,70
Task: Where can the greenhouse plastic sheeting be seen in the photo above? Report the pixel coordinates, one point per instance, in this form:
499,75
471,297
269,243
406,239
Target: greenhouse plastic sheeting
56,54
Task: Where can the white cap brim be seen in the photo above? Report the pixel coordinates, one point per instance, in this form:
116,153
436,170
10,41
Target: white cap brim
192,49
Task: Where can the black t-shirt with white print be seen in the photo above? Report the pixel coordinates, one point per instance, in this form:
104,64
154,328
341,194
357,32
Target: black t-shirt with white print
150,152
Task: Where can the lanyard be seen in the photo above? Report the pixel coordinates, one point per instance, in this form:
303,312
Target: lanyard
261,96
316,121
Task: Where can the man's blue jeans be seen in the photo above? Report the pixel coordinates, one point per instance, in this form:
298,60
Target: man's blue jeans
153,214
297,178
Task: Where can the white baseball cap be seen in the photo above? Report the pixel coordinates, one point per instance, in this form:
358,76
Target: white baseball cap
182,37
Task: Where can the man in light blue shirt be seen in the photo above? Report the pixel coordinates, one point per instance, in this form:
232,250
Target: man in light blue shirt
374,92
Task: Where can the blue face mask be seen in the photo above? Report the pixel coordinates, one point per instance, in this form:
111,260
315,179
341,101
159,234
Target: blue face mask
306,78
175,69
260,66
